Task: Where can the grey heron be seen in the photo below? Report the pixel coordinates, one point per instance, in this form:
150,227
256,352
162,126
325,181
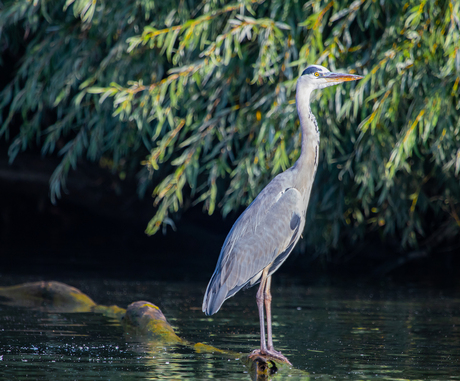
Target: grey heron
267,231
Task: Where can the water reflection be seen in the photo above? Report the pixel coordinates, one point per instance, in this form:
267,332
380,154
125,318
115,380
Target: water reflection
327,333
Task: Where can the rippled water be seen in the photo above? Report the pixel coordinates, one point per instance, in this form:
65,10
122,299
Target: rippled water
327,333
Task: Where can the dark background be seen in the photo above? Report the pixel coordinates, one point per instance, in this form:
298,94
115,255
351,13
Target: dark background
97,231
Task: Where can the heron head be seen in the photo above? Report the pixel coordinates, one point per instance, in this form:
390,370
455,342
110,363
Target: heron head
318,77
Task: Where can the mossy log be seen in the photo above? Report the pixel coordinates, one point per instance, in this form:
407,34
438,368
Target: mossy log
55,296
142,319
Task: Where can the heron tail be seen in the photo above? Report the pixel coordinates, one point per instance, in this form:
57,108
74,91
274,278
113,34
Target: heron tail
215,295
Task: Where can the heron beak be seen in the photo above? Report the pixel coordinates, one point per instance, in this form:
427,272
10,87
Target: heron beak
340,77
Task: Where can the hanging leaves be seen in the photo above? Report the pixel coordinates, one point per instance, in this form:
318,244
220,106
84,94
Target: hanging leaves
203,95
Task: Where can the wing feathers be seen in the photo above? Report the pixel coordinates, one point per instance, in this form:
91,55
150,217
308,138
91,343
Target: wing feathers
264,235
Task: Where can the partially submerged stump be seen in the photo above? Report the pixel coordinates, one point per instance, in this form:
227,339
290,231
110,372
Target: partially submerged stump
256,356
261,368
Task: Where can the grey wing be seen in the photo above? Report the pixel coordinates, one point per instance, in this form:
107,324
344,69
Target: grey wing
262,237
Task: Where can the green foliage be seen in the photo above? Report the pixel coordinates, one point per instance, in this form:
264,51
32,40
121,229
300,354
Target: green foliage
205,92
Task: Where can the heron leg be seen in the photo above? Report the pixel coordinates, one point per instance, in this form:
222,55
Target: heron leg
268,310
264,297
268,301
260,306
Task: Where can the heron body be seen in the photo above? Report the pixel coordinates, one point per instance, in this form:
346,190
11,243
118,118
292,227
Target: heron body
267,231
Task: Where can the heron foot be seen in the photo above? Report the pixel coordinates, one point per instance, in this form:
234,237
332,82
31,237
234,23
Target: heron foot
267,355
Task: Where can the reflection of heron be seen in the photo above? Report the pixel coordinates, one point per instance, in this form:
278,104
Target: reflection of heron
267,231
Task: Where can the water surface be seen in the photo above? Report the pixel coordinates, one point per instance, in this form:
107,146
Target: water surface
357,333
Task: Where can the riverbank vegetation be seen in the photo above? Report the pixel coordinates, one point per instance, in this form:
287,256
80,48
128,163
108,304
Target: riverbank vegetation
196,100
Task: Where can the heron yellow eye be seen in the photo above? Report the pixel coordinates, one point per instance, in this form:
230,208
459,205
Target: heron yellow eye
316,74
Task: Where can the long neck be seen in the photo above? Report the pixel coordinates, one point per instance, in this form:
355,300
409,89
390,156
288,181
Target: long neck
308,161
